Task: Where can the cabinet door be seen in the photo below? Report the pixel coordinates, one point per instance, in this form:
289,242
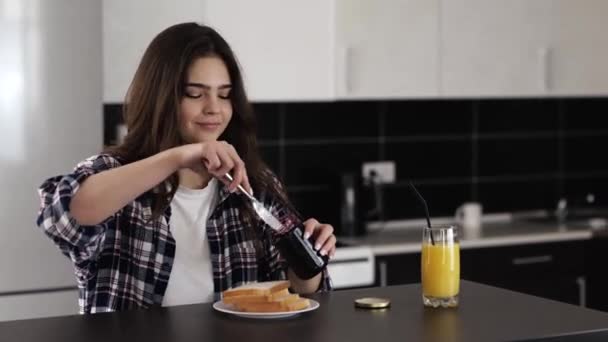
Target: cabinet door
578,50
285,49
563,289
495,47
128,28
386,48
551,270
397,269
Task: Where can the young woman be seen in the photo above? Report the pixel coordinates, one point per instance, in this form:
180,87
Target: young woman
154,221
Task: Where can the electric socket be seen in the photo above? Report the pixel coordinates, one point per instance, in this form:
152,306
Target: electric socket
385,172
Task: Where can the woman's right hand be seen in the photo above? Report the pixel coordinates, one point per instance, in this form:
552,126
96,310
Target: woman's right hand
217,158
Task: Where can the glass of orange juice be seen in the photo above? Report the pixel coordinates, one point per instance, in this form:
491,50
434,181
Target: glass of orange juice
440,267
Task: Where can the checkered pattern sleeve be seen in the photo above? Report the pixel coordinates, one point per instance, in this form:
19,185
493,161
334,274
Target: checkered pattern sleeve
78,242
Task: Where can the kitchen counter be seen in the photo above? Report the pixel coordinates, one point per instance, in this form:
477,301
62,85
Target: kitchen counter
398,240
485,314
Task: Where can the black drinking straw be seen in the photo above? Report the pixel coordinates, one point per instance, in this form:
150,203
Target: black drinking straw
426,211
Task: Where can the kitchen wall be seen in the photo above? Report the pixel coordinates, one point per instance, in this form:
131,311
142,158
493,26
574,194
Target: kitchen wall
510,154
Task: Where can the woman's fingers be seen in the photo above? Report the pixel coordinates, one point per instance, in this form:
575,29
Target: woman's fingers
329,247
222,158
239,170
325,232
309,227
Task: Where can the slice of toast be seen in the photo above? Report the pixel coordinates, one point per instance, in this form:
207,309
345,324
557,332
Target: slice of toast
265,288
256,298
290,304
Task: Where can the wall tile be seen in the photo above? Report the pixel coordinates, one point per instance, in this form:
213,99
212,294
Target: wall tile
586,114
431,159
268,122
517,156
401,202
331,120
576,190
319,164
428,117
518,195
585,154
517,115
321,204
271,155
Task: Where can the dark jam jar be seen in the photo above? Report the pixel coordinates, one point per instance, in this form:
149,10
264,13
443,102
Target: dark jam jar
300,253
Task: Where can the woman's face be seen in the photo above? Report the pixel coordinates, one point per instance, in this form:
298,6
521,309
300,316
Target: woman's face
205,109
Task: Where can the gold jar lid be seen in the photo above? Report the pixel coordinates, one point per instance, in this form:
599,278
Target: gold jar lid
372,303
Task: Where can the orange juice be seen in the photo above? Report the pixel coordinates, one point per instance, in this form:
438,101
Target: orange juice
440,270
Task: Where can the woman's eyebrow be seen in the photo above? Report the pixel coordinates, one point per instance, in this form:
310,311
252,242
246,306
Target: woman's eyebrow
205,86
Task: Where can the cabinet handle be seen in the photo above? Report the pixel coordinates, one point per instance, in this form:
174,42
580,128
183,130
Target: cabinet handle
532,260
383,273
582,291
347,60
545,55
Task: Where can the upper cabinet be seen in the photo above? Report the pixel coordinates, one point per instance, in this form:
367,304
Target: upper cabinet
128,28
285,49
387,48
578,49
523,48
494,47
321,50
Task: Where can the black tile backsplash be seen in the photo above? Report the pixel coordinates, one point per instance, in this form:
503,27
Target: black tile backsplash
307,203
405,119
578,190
504,157
586,114
271,155
510,154
268,120
517,116
316,164
431,159
505,196
586,154
310,121
442,199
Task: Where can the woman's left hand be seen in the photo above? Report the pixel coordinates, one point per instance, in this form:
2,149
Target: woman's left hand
323,235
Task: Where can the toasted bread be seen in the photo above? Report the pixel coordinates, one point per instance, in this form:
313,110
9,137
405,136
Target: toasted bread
272,296
266,288
292,303
256,298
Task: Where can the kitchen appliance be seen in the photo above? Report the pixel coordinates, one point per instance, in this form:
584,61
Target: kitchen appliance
352,212
51,90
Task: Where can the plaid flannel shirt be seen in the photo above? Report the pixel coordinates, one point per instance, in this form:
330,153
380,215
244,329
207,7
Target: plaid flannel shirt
125,261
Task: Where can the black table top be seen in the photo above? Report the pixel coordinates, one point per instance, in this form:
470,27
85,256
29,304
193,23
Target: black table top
485,314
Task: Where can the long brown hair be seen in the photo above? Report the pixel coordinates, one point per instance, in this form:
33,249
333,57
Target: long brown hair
152,106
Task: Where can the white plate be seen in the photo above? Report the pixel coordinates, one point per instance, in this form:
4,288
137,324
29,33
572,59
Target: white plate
229,309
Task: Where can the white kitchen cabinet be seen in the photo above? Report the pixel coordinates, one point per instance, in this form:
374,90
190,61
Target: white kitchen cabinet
358,49
578,49
494,47
285,49
387,48
128,28
523,48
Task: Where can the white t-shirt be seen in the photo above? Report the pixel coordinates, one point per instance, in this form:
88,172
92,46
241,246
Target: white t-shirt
191,278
